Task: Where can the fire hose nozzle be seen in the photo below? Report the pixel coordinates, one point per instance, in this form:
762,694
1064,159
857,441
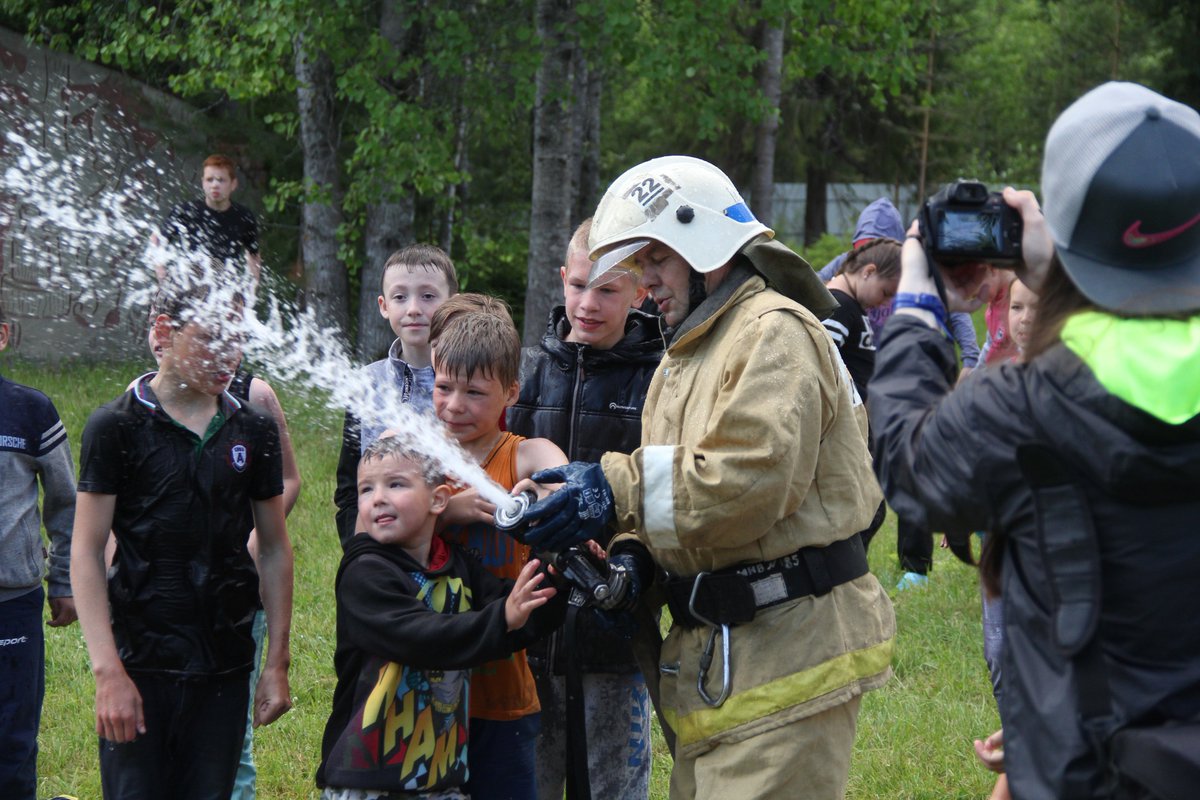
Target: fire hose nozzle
511,519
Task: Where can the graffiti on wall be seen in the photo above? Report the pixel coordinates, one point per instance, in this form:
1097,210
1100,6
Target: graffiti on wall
66,292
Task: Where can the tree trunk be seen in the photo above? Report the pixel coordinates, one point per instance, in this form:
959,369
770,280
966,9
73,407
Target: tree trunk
389,226
589,154
923,161
555,165
762,192
327,287
817,179
454,192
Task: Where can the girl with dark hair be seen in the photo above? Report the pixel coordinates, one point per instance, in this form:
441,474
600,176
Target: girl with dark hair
866,279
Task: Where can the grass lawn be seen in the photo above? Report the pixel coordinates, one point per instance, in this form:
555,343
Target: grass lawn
914,738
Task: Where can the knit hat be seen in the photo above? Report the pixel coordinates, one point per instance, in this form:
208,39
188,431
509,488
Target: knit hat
1121,188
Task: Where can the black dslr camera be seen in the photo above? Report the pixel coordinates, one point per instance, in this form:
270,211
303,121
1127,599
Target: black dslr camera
964,222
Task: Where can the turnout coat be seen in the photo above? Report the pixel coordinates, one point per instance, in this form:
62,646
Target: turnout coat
753,446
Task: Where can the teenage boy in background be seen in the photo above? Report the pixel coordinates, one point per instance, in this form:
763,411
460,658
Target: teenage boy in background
583,388
181,472
217,226
476,358
416,280
33,449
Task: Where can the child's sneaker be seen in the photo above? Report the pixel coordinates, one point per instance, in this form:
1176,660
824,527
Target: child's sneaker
912,580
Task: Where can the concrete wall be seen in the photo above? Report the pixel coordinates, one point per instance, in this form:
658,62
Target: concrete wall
63,293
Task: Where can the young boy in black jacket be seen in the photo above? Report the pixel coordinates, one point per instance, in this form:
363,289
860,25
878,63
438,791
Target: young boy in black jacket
414,614
583,388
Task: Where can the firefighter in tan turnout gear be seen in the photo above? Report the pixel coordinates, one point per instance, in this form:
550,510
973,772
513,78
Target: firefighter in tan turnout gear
744,499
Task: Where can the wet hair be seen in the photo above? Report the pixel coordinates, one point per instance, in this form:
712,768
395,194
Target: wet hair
424,256
463,303
476,341
392,447
181,303
883,252
194,303
221,162
579,240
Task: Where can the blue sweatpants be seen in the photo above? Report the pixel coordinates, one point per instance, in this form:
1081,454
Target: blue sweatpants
22,688
500,757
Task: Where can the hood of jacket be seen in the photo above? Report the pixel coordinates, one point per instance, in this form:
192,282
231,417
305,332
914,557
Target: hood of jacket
1132,453
361,544
880,218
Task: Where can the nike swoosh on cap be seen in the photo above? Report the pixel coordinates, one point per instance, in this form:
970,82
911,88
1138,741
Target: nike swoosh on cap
1135,238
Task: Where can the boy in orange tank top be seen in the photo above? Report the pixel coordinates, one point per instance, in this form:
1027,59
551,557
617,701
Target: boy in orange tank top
476,357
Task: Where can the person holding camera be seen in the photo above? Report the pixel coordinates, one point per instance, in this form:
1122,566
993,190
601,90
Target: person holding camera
1084,459
747,492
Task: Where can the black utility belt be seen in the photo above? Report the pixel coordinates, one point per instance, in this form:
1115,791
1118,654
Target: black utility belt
733,595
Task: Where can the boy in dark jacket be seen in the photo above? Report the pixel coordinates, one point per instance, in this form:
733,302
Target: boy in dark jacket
583,389
414,614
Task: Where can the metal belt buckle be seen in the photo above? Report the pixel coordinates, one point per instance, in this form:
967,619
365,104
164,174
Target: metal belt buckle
707,656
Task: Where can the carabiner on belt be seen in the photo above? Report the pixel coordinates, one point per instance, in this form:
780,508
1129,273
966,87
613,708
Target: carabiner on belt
707,656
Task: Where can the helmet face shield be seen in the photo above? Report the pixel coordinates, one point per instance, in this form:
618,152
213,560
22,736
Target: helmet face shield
617,262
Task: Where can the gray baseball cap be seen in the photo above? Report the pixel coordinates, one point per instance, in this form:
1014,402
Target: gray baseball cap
1121,191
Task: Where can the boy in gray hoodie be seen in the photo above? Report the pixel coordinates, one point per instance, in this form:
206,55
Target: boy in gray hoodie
33,450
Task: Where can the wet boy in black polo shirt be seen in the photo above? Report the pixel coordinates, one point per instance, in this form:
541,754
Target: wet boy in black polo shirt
181,471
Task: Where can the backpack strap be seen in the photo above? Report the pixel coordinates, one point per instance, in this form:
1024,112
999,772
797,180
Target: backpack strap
1067,541
1066,538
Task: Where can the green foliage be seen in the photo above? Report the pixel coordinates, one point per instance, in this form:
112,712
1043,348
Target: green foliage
494,264
824,250
1006,68
441,112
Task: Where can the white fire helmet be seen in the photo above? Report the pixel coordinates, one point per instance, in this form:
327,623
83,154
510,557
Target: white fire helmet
682,202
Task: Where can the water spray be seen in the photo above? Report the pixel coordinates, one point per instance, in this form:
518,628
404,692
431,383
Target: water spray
59,207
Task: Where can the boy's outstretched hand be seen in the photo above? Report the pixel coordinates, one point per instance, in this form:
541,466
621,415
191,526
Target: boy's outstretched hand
272,696
526,596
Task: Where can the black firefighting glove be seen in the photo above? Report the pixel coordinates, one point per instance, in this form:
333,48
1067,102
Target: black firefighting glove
582,509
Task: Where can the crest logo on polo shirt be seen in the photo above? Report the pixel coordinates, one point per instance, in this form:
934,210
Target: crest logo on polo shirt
238,456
